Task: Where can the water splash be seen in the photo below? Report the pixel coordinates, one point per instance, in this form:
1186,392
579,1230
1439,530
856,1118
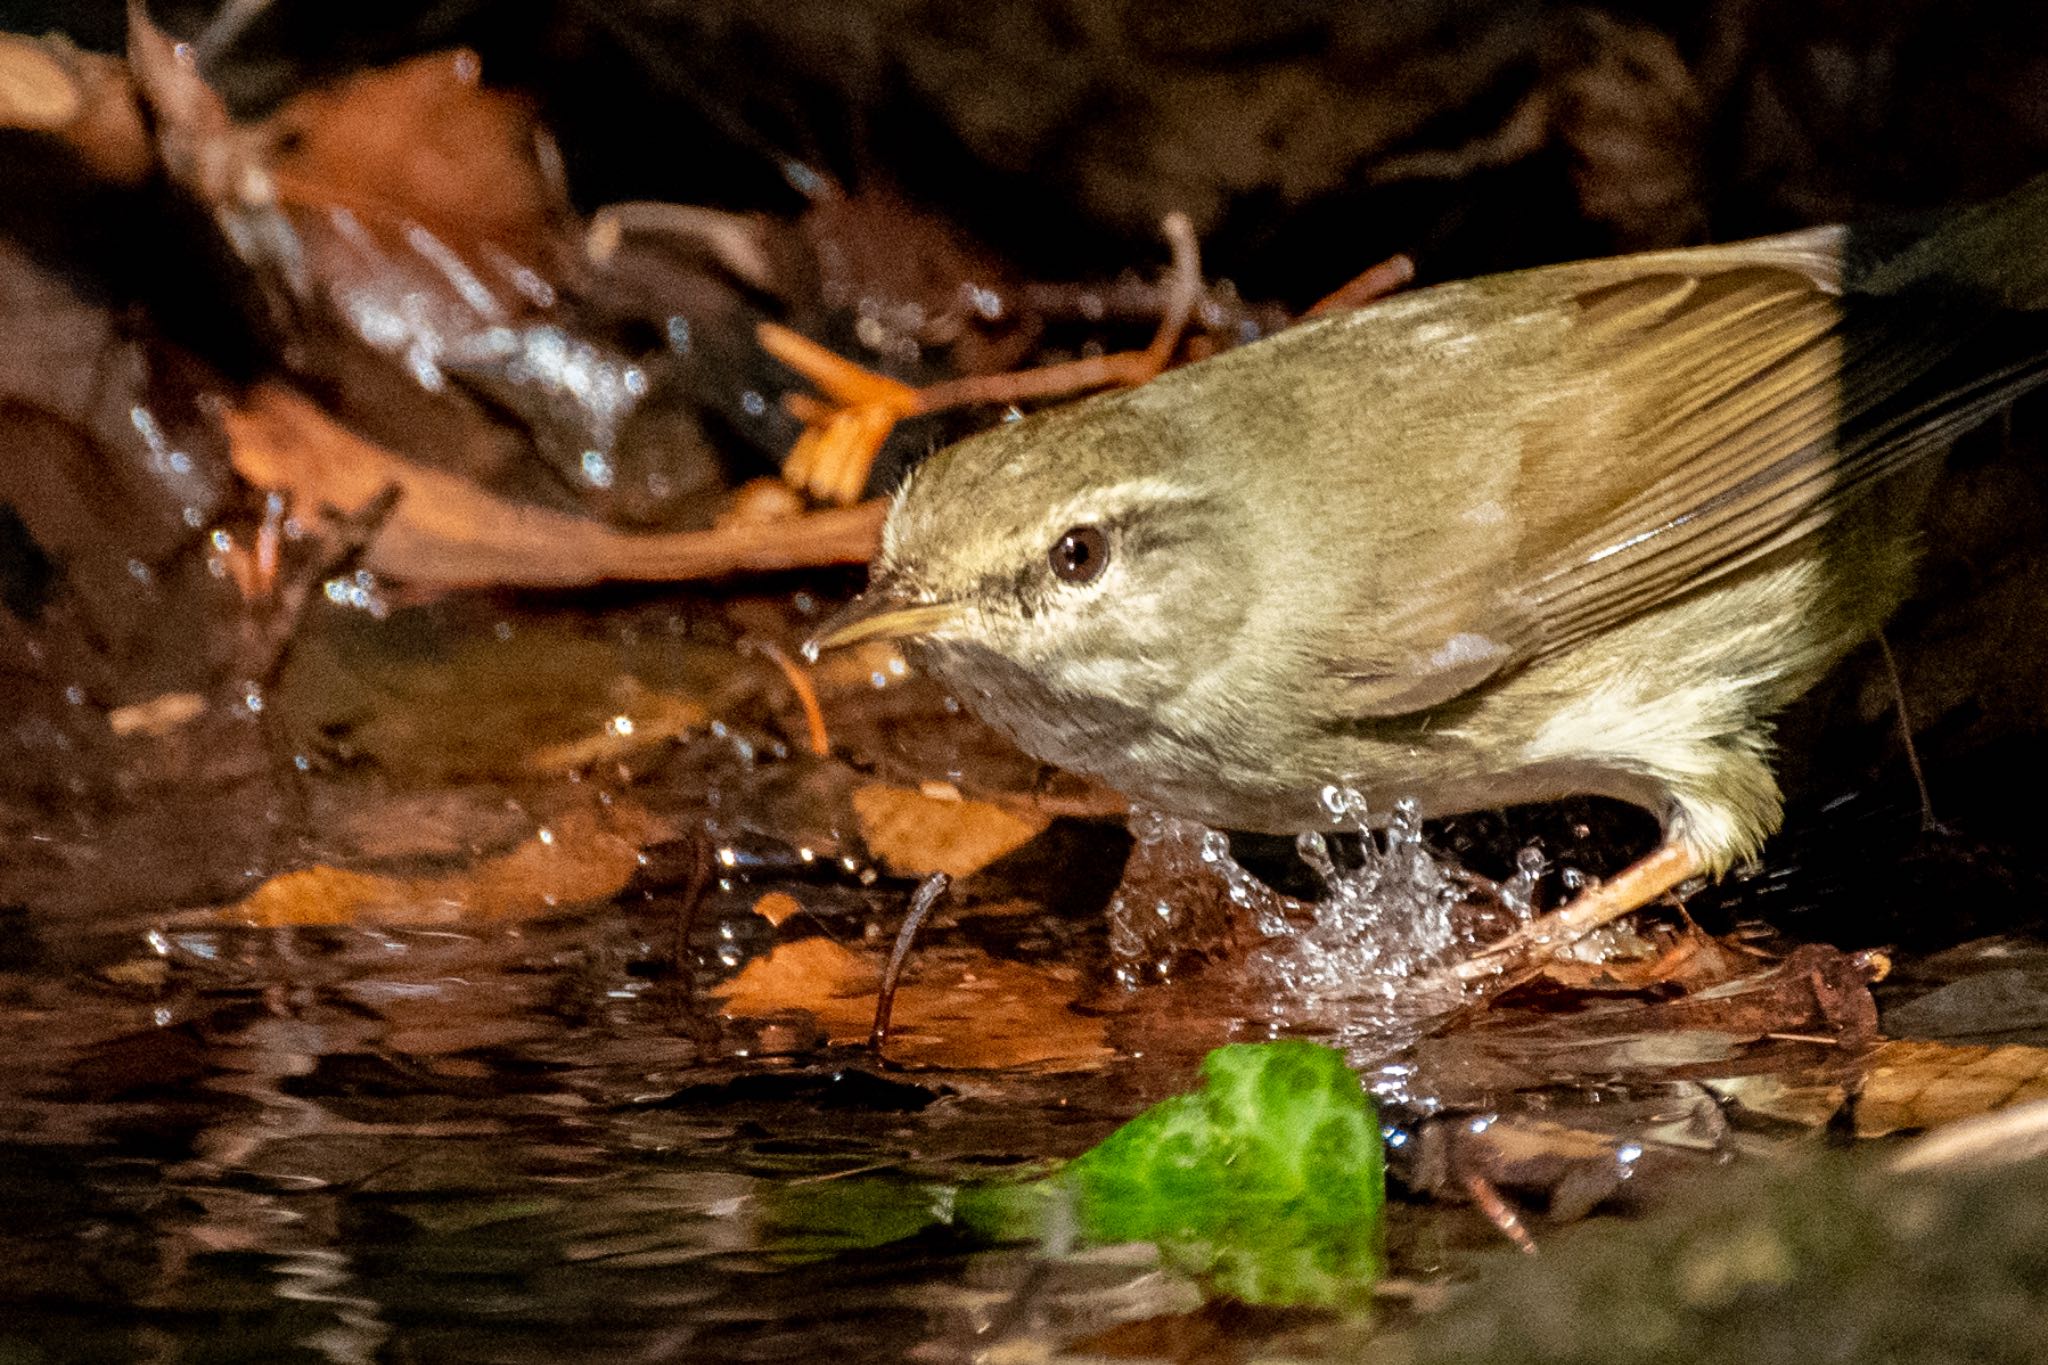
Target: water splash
1380,920
1182,891
1386,915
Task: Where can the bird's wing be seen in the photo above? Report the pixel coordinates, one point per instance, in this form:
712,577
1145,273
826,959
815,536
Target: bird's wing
1706,410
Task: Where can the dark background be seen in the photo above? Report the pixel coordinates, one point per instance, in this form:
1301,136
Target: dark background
1299,135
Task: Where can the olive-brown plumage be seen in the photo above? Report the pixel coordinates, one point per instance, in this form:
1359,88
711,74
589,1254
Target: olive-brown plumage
1579,529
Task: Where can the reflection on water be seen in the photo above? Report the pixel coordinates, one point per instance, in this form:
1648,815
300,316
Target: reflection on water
357,1145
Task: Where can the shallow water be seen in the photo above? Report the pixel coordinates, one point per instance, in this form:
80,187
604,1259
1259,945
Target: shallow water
539,1132
352,1145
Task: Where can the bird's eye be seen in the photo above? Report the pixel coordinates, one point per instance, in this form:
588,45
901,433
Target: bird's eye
1080,555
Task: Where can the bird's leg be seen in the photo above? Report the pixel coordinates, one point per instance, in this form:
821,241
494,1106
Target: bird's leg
1632,888
844,431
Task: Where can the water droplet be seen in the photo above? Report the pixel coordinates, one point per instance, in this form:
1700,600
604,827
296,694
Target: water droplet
803,179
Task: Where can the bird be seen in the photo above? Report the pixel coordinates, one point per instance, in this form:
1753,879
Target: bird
1580,529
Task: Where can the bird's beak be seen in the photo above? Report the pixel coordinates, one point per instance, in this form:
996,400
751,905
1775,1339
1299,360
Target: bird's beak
886,611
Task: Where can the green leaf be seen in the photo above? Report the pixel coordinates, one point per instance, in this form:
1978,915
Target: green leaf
804,1220
1269,1182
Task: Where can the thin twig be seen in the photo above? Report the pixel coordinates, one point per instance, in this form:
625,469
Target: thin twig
683,966
1389,276
1928,824
806,695
1183,288
921,902
286,608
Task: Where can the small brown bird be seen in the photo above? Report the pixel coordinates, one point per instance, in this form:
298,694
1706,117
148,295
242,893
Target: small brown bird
1582,529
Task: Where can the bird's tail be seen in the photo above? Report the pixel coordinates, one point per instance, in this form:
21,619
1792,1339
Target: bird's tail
1994,253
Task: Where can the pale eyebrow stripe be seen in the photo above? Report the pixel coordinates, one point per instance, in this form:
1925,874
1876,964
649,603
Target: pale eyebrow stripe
1106,504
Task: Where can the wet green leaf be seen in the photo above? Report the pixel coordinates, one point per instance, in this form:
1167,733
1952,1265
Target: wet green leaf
807,1219
1267,1184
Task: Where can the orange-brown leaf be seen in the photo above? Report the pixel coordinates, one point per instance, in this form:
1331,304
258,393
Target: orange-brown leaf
579,857
1921,1084
915,834
447,532
968,1011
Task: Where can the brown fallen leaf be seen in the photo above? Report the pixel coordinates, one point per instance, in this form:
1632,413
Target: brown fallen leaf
423,142
1629,1148
447,532
1793,1097
83,98
1921,1084
1806,1009
1682,959
407,247
777,906
915,834
577,857
158,716
108,462
647,719
962,1010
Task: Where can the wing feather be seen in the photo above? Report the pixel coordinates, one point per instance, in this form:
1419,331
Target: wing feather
1720,406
